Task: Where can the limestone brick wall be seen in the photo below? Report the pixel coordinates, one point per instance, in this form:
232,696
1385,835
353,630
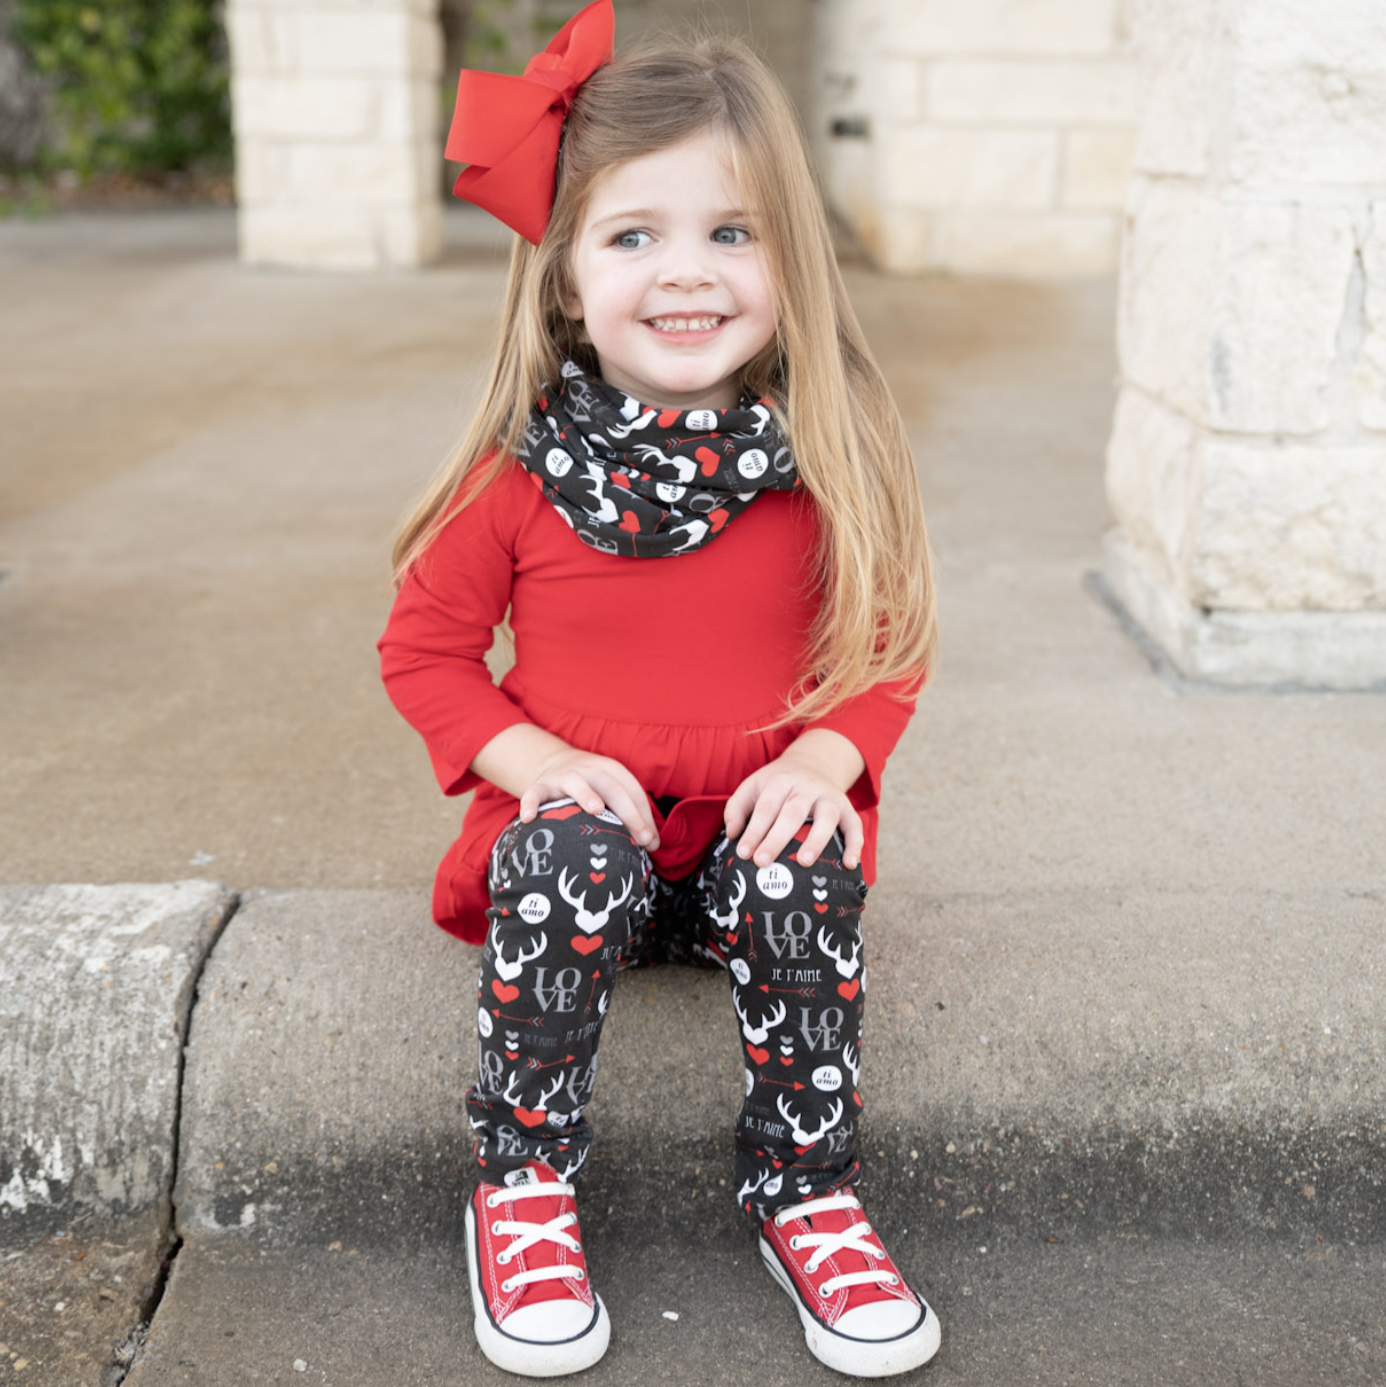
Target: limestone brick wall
980,136
1247,463
337,120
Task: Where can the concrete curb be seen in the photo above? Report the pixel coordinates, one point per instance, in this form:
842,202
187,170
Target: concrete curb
1153,1082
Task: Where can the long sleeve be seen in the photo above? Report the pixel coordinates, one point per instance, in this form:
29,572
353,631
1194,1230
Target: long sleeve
873,722
433,651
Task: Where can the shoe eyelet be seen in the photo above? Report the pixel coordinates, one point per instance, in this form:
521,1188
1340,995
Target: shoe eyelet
794,1243
492,1200
496,1229
894,1281
507,1286
823,1292
502,1259
579,1275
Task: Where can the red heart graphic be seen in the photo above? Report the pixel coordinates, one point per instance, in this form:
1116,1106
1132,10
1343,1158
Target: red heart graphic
529,1118
856,1098
504,990
760,1056
512,1054
709,460
566,812
620,479
598,877
586,944
775,1163
819,907
716,518
799,1149
630,523
786,1060
849,989
668,419
731,939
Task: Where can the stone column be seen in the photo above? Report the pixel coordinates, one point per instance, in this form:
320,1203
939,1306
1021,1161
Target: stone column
978,136
337,114
1247,463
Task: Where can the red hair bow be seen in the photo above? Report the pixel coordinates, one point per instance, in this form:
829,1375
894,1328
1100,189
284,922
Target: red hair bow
508,128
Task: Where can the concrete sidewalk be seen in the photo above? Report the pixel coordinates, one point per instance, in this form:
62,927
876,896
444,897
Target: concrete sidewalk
1127,957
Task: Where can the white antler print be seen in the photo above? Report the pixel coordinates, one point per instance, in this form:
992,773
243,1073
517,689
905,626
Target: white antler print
588,921
851,1057
748,1188
756,1034
728,921
643,422
801,1137
544,1098
512,1098
845,965
686,468
695,530
606,508
508,970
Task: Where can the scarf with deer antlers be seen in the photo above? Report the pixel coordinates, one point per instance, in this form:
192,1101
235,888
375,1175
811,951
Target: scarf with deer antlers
649,482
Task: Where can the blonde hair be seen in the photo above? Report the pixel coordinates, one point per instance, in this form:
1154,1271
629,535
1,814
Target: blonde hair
876,617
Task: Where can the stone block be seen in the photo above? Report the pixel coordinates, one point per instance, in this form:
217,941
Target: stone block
1096,168
1229,310
932,167
309,237
1370,375
264,173
901,91
1151,483
1237,649
413,237
1185,52
254,41
411,111
904,241
1290,528
1039,244
89,1080
1026,27
1309,93
1100,92
368,175
311,108
357,40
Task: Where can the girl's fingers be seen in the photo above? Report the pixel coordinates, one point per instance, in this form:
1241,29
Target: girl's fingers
853,837
633,810
763,814
738,807
794,813
825,821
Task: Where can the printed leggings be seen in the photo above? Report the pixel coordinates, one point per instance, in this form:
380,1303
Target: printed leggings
574,900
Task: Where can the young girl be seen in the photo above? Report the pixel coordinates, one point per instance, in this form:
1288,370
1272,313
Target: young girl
689,487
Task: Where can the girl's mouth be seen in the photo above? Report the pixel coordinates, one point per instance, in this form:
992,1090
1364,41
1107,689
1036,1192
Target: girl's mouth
704,323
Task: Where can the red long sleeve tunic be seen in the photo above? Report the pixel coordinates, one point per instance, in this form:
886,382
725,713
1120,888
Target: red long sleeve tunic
668,665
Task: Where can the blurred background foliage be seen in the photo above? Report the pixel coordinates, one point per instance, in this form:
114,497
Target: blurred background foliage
139,88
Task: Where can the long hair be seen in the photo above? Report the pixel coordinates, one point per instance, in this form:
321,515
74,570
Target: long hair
876,615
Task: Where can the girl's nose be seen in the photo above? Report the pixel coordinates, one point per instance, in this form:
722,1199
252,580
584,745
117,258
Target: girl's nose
687,267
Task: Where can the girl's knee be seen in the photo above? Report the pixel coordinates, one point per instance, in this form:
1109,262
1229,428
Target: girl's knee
567,864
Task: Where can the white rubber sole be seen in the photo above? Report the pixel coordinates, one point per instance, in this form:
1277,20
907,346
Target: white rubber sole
525,1356
859,1357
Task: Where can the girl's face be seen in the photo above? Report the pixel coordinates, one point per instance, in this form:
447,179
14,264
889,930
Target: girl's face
670,282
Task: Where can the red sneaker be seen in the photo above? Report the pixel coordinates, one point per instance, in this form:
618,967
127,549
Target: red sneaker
859,1315
536,1313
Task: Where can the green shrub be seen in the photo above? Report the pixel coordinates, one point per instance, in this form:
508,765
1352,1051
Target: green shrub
137,86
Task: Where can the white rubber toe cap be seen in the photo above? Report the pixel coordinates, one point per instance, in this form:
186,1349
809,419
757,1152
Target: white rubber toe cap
548,1322
882,1319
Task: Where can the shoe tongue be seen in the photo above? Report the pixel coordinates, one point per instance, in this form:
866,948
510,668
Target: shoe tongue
535,1173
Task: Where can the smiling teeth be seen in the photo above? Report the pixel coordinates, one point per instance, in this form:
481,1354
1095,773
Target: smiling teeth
684,324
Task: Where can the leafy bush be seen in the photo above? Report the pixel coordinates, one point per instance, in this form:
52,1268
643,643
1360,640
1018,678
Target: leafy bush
137,86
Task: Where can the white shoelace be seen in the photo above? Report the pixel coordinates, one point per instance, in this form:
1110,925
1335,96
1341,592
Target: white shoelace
825,1244
526,1235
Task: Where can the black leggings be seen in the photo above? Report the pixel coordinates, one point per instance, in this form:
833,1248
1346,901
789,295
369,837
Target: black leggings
574,900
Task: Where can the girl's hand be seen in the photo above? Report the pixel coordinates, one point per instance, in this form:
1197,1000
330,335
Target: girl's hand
535,767
596,783
810,780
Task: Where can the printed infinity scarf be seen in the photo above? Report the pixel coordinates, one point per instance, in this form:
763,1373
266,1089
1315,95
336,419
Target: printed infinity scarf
649,482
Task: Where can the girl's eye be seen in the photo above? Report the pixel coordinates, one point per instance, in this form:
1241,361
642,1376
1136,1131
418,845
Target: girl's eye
630,240
731,235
